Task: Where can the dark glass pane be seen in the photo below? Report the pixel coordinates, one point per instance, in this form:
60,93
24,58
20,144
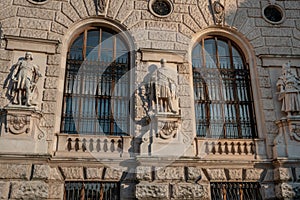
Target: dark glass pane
161,7
76,49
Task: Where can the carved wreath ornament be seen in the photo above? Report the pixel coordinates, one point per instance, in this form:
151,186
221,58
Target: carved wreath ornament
18,124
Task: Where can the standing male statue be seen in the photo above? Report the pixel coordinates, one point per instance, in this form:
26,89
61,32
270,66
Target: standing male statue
25,77
163,89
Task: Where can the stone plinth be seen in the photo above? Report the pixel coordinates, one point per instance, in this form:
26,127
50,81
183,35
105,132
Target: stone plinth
20,131
287,143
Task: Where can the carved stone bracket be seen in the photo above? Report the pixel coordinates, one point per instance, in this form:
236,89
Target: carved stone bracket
295,132
18,124
166,126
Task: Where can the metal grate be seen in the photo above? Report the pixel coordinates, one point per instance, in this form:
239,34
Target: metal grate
222,91
92,191
235,191
96,91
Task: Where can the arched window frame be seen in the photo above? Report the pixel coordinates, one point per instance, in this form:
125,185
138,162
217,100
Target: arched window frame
247,51
67,41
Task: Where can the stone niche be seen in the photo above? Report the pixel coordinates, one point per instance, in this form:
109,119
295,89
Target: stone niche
158,99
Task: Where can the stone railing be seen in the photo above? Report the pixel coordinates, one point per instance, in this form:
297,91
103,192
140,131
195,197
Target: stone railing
226,148
71,145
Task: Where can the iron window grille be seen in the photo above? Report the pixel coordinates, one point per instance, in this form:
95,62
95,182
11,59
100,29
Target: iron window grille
222,90
235,191
96,93
92,191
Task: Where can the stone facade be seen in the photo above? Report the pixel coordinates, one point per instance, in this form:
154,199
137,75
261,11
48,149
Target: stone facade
36,159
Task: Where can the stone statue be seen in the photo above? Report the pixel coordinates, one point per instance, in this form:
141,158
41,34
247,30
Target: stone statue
219,13
25,77
163,86
288,85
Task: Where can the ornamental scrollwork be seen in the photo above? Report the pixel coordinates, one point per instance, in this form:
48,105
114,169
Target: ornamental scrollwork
18,124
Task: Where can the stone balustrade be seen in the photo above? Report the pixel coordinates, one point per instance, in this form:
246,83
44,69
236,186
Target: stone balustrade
212,148
70,145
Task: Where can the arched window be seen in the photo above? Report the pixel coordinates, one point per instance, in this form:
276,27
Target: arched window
222,90
96,89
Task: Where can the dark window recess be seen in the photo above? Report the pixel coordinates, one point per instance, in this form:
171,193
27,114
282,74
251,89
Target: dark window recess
161,7
235,191
222,90
273,13
96,92
92,191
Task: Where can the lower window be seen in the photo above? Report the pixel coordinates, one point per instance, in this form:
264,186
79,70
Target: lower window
235,191
92,191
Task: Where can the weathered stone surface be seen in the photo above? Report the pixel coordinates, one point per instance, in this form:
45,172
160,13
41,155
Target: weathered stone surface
35,13
144,173
204,7
163,26
8,12
270,115
240,18
284,190
30,33
90,5
184,90
41,172
53,59
113,173
141,5
15,171
183,68
169,173
51,5
72,172
80,8
235,174
185,102
69,11
56,190
189,191
29,190
10,22
157,191
52,70
50,95
189,21
49,107
126,8
216,174
34,24
185,30
186,125
114,7
48,120
264,82
4,190
253,174
278,41
196,174
162,36
63,20
283,174
55,174
268,104
94,172
51,83
133,19
268,191
58,28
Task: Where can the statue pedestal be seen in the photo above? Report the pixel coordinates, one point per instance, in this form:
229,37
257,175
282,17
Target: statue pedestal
164,137
20,131
287,143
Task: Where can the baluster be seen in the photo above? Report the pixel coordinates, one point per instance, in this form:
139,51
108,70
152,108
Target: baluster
69,144
112,145
98,145
91,145
120,146
210,147
248,148
105,148
231,148
83,145
243,148
76,146
236,147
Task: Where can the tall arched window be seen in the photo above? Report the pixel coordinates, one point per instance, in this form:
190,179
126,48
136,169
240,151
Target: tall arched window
96,84
222,90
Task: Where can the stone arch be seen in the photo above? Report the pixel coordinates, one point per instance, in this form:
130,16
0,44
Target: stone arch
248,52
67,41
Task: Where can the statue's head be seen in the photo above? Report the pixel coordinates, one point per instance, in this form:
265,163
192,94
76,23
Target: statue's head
28,55
163,62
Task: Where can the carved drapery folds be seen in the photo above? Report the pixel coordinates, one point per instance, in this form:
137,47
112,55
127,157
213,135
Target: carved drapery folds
288,85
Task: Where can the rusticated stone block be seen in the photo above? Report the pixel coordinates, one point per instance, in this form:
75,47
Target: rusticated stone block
15,171
34,24
55,174
35,13
49,107
4,190
63,19
235,174
284,191
5,55
56,190
169,173
240,19
80,8
34,33
29,190
189,191
94,172
162,26
10,22
132,19
283,174
144,173
72,172
113,173
196,173
48,120
51,83
162,36
53,60
90,5
114,7
155,191
41,172
126,8
264,82
181,8
185,102
162,45
58,28
7,13
189,21
184,90
253,174
69,11
50,95
183,68
216,174
52,70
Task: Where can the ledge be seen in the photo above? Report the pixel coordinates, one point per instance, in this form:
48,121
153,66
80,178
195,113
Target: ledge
31,44
279,60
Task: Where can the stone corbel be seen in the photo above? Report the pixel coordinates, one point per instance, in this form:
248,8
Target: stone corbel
295,132
167,126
